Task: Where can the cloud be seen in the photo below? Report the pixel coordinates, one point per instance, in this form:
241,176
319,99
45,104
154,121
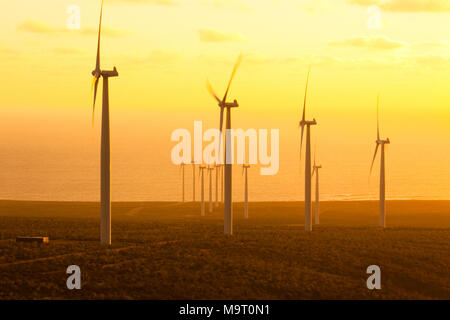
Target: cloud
107,31
36,27
378,43
432,61
407,5
9,53
442,43
209,35
39,27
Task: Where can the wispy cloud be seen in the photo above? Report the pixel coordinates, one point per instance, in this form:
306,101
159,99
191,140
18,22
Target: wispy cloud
39,27
36,27
210,35
8,51
413,62
407,5
442,43
377,43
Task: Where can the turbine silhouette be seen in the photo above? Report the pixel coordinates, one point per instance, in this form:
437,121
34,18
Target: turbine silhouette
193,180
379,141
105,158
210,169
182,165
308,124
202,190
217,167
245,173
316,171
228,210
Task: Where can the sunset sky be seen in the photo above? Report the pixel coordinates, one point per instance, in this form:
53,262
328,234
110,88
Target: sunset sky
165,49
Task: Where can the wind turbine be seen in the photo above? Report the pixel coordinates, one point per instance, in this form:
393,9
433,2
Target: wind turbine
105,158
218,170
182,165
228,210
210,169
222,185
193,180
316,171
308,124
245,173
202,187
381,142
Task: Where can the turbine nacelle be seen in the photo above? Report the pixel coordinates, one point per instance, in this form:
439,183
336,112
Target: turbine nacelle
307,123
105,73
387,141
233,104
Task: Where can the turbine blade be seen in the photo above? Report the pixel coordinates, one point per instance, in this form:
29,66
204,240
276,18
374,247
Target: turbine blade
220,128
314,170
97,63
306,92
301,141
374,156
378,119
211,90
94,86
236,66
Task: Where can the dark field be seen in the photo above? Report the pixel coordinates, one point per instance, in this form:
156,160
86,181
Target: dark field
167,251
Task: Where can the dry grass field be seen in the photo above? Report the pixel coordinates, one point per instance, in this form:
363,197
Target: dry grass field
167,251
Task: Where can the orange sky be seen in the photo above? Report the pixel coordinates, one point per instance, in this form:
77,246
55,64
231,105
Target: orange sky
165,49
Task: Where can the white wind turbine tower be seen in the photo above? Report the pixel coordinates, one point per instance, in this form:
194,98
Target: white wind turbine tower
316,171
308,124
228,209
222,185
381,142
202,190
210,169
193,180
105,157
217,166
245,173
182,165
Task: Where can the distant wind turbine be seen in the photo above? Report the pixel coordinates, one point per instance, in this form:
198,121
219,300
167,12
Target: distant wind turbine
316,171
202,188
228,209
210,169
182,165
193,180
245,173
217,167
381,142
308,124
222,184
105,158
